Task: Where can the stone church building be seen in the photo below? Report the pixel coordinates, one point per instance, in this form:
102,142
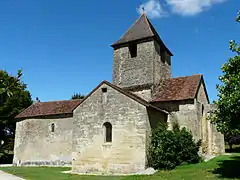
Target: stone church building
109,130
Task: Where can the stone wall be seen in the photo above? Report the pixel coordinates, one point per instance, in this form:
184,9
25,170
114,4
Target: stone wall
162,64
212,141
184,113
127,151
201,103
129,71
217,139
148,67
145,94
36,144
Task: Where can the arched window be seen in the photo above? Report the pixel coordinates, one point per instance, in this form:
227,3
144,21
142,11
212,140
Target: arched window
107,132
202,109
52,127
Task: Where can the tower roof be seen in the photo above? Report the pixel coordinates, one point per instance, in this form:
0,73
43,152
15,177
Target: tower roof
142,29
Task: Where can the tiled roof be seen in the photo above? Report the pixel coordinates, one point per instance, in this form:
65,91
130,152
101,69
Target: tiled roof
66,107
141,29
49,108
180,88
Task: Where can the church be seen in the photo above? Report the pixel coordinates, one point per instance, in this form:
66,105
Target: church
108,132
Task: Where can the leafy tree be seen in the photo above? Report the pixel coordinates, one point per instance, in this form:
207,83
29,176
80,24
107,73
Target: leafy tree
169,149
227,114
13,99
9,83
78,96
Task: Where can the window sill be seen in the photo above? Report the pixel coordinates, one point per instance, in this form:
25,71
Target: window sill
107,144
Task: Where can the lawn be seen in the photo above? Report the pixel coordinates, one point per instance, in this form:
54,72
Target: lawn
222,167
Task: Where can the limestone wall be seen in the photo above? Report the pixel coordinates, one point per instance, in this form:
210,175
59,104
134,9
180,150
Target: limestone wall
149,67
216,139
35,144
129,71
145,94
184,113
212,140
127,151
162,64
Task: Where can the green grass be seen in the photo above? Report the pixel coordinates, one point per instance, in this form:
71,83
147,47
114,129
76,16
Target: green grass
222,167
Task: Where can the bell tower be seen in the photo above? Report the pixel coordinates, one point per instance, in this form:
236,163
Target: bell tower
141,60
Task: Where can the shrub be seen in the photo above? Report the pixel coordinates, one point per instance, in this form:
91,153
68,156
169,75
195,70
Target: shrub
169,149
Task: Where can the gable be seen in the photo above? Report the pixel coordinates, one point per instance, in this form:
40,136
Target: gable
120,93
201,94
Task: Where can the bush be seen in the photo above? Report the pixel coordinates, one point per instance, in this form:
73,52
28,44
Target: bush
169,149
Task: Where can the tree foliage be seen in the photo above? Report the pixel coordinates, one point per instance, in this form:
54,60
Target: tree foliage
78,96
227,113
13,99
169,149
9,83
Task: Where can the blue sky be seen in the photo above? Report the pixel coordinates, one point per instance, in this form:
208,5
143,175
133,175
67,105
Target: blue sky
64,46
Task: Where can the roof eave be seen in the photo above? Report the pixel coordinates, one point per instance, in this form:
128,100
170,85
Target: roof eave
117,44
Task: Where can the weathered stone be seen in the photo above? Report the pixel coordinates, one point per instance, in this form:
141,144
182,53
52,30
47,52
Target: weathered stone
35,144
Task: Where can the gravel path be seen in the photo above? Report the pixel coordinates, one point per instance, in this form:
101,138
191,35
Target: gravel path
6,176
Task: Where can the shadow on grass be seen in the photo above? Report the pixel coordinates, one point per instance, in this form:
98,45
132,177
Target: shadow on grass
234,150
228,168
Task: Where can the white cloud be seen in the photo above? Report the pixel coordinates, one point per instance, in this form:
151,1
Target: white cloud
191,7
152,8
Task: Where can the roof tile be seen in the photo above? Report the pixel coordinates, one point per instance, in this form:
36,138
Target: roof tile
180,88
49,108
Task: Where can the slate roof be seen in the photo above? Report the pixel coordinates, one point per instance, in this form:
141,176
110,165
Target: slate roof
49,108
180,88
141,29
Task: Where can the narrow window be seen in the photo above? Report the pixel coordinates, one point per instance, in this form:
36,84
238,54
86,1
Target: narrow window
107,132
202,110
133,50
104,90
162,54
52,127
104,95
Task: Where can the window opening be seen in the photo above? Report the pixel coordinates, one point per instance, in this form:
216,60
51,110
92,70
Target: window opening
107,132
52,127
133,50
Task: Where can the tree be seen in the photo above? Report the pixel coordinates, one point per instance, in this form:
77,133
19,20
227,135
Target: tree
169,149
78,96
13,99
227,114
8,83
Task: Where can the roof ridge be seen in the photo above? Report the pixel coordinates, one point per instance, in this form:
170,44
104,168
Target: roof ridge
187,76
60,101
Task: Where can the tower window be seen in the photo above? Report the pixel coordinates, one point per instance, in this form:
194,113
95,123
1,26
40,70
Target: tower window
162,54
133,50
107,132
52,127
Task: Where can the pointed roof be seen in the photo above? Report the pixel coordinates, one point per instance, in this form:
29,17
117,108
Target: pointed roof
140,30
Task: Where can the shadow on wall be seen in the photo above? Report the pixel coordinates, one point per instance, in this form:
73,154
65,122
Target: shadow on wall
228,168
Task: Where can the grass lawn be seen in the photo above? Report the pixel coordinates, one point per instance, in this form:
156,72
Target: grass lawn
222,167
